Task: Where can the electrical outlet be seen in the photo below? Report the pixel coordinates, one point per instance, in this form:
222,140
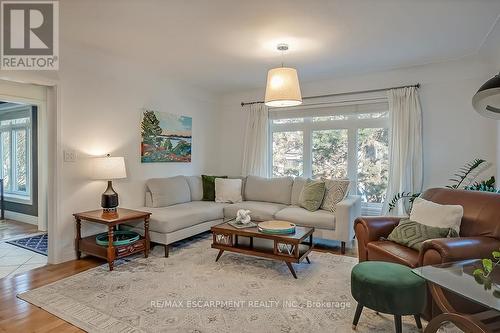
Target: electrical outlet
69,156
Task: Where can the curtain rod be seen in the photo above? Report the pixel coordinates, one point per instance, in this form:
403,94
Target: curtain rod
344,93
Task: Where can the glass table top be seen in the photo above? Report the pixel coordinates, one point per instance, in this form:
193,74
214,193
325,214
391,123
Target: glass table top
457,277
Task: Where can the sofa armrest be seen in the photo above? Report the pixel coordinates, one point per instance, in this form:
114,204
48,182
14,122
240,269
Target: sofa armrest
369,229
441,250
148,202
346,212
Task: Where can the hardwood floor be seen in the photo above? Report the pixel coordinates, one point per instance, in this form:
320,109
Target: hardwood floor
12,229
19,316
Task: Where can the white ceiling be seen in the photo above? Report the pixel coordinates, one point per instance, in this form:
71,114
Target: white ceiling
227,45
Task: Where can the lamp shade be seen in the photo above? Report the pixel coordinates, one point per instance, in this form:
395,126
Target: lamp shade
282,88
487,99
108,168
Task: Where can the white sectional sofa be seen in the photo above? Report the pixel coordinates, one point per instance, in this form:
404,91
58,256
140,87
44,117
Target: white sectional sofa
178,211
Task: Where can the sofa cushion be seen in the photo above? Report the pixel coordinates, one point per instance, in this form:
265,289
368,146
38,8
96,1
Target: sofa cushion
277,190
389,251
196,187
336,190
228,190
243,182
298,184
177,217
319,219
259,211
208,183
312,195
168,191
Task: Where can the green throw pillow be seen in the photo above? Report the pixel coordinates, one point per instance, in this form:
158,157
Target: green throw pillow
412,234
209,187
312,195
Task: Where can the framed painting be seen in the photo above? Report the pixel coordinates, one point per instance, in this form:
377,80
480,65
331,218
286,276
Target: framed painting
166,137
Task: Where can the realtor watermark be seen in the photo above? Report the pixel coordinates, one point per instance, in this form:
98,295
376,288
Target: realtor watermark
29,35
234,303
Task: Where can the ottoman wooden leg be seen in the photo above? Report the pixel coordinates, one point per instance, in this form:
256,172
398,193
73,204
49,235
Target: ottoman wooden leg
398,324
359,308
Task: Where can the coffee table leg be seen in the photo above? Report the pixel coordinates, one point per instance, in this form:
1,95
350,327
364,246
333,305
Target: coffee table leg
218,256
290,267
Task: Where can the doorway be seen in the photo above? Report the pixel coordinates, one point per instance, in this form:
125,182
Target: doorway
23,227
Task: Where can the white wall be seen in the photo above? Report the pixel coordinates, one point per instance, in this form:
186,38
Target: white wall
453,132
100,100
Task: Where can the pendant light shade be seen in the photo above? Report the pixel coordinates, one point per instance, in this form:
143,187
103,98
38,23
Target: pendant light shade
487,99
282,88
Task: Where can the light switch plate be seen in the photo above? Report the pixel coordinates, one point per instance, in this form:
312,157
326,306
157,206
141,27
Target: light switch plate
70,156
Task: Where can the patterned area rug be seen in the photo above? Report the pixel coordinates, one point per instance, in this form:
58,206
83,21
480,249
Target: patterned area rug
37,243
190,292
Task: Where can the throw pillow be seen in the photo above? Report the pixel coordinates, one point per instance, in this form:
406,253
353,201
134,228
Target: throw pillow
436,215
228,190
209,187
412,234
335,191
312,195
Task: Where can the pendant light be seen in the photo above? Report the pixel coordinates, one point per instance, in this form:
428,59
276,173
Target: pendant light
487,99
282,87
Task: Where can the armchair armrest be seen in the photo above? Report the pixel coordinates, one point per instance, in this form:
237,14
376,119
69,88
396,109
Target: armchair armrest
375,226
369,229
441,250
346,212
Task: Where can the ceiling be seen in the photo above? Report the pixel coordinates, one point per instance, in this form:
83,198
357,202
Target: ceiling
228,45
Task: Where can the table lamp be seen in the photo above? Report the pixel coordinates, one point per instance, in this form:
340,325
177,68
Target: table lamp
109,168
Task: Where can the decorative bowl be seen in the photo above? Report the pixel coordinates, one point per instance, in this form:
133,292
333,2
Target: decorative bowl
277,227
121,237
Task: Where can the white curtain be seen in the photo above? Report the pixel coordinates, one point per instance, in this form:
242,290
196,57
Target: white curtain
255,149
405,146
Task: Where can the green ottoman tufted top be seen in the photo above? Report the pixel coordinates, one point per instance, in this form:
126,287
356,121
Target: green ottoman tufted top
388,288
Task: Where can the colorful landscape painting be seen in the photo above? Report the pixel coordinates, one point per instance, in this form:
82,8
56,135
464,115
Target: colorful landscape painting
166,137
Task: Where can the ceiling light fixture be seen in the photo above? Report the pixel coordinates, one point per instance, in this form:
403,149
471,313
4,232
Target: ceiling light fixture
487,99
282,87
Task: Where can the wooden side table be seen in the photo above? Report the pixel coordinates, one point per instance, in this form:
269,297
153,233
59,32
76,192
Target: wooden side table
89,246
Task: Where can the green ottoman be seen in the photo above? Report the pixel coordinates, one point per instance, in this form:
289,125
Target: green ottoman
388,288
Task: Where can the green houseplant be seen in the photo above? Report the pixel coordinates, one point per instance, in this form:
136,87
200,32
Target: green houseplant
464,178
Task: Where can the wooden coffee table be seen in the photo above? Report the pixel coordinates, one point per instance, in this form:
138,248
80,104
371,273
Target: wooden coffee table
292,248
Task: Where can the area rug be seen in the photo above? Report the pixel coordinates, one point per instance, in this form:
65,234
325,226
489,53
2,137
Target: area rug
190,292
37,243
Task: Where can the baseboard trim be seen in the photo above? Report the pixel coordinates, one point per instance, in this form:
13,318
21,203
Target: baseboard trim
21,217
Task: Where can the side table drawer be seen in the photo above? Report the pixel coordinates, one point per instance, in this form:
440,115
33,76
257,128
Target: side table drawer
129,249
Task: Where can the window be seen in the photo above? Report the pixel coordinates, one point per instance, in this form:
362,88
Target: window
329,153
335,141
15,147
288,159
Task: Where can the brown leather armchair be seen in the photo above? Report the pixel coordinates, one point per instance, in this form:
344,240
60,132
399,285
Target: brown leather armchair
479,236
479,232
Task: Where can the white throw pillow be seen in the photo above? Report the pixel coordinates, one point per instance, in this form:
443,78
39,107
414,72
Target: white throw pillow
228,190
436,215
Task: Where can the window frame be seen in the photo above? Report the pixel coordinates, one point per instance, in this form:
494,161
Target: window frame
308,126
11,193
